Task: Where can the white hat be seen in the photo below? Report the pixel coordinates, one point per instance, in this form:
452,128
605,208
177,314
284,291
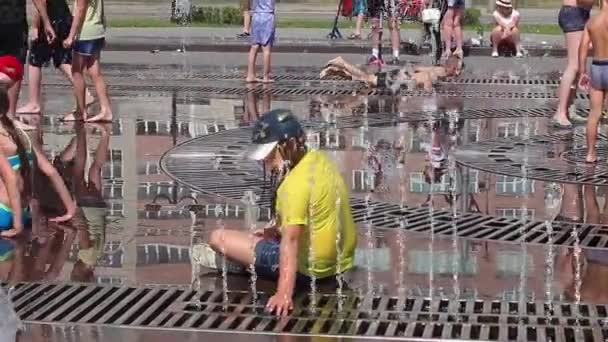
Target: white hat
504,3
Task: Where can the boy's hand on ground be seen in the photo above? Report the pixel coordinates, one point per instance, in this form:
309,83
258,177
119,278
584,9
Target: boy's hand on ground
583,82
280,303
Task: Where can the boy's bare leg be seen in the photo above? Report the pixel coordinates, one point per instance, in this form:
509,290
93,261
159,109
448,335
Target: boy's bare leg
349,68
393,24
266,50
105,112
253,53
67,72
458,35
597,99
78,69
33,104
446,35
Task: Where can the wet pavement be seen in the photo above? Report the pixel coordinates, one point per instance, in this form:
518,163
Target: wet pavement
142,224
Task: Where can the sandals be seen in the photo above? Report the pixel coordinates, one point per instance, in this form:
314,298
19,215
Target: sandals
354,36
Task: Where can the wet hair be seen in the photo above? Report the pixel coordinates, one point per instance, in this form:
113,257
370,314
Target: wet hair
10,128
277,176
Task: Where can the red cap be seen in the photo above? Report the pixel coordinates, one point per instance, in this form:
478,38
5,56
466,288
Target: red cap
10,66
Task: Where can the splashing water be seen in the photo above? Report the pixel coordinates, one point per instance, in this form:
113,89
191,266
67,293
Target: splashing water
219,213
432,223
552,205
339,276
9,322
577,274
453,174
251,217
311,251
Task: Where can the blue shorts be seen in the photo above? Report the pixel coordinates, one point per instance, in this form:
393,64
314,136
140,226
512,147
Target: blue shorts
89,47
267,259
6,217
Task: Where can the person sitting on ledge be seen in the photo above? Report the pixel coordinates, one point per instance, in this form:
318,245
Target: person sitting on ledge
312,233
413,76
505,36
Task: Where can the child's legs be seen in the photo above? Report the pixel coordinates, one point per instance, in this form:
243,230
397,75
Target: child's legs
447,24
78,70
376,29
13,97
496,37
266,50
35,84
458,35
573,40
94,69
515,37
253,53
596,100
359,23
393,25
236,245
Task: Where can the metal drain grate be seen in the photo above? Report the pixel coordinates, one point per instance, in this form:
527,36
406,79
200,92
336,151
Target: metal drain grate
214,164
305,92
378,316
506,157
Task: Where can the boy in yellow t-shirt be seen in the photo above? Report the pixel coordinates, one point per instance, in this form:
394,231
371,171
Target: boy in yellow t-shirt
87,39
314,235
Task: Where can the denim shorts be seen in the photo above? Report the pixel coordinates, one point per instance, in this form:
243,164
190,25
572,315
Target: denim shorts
89,47
572,18
267,260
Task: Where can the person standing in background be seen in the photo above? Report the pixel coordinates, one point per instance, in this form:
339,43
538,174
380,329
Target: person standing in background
245,11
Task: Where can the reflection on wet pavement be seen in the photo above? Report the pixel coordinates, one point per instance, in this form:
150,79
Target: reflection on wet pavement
137,225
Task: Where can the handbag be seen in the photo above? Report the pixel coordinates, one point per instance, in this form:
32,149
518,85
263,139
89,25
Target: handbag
431,16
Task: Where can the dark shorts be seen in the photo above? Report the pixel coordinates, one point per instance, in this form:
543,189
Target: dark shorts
13,41
376,8
41,52
267,259
89,47
455,3
599,74
572,18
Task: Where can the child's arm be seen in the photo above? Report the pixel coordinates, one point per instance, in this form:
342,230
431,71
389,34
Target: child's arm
41,11
583,52
79,13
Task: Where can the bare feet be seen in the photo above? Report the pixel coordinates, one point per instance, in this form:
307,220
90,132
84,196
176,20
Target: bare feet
74,117
24,126
591,158
252,79
267,80
101,117
11,232
88,101
29,108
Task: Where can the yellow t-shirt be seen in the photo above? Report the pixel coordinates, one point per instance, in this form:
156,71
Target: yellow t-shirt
309,196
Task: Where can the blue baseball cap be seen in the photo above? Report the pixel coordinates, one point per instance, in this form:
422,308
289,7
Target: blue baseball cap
271,129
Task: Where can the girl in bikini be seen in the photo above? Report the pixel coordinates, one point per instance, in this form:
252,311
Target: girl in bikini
17,154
